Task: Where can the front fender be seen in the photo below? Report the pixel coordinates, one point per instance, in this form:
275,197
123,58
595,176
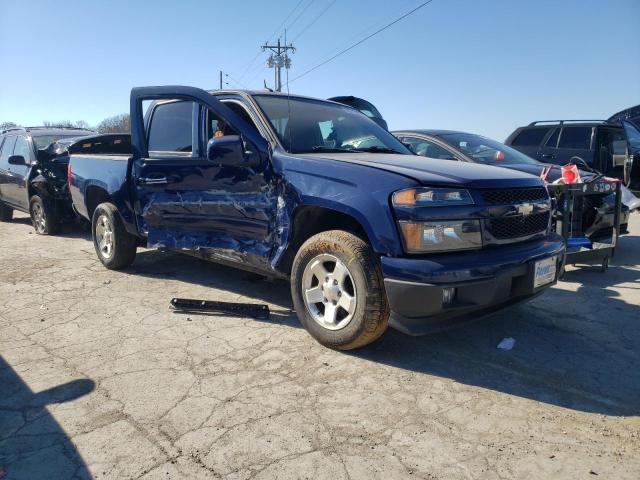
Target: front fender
358,191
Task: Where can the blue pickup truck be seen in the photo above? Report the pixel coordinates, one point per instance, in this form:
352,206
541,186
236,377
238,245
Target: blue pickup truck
313,191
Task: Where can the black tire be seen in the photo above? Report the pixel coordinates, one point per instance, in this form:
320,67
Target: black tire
370,317
6,213
43,217
115,247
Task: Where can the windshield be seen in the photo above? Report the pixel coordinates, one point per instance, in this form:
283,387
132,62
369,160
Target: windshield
487,151
43,141
633,135
305,126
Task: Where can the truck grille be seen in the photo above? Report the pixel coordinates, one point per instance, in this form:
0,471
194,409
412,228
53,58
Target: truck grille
519,226
514,195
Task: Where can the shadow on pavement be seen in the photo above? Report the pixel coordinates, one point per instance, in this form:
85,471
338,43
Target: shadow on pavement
33,445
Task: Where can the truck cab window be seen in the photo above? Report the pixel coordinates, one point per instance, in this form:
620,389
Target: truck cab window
171,128
217,127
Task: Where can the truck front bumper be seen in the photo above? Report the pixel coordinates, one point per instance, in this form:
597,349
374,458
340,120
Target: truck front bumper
433,293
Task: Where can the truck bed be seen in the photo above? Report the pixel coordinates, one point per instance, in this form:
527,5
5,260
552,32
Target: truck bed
105,171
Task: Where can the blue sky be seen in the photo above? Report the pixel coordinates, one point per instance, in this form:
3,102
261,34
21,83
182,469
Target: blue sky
485,66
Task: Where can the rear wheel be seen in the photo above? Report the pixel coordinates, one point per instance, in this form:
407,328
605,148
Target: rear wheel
338,292
43,218
6,213
115,247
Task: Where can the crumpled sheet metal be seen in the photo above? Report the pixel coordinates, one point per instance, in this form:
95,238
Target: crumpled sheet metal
250,228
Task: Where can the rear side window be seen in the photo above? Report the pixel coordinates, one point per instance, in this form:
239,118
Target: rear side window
575,137
530,137
7,149
171,128
552,141
22,148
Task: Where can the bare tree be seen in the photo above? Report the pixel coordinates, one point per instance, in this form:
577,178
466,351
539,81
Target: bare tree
5,125
117,124
65,124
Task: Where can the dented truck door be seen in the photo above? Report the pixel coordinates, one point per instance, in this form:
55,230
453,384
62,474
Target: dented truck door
184,200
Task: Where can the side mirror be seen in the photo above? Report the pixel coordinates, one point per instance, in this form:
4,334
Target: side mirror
230,150
17,160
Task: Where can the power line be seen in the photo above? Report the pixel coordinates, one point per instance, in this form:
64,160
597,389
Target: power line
314,20
263,69
237,82
284,21
359,42
250,64
300,14
361,32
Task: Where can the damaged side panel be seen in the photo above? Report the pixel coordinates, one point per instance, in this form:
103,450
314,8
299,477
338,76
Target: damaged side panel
220,212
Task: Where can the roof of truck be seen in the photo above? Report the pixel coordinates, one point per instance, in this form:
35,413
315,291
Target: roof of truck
269,93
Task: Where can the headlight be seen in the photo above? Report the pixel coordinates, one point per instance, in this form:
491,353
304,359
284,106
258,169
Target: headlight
432,197
421,237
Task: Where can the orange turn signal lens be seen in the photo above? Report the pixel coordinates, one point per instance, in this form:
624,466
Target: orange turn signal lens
412,233
405,197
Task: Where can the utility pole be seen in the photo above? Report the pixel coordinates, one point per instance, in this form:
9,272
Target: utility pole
220,79
278,59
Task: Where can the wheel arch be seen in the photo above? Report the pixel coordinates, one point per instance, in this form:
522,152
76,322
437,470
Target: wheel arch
309,220
94,196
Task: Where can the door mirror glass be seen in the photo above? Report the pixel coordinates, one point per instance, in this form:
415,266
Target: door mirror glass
17,160
230,150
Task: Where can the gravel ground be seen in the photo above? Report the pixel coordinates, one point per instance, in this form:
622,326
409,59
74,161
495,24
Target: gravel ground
99,379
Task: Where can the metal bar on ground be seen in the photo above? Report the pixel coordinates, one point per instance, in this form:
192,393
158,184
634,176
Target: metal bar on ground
254,310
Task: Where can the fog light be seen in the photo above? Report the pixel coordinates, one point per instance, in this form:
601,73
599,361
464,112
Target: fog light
448,295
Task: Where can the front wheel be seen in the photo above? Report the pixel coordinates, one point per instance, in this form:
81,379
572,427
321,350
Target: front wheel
43,217
116,248
338,291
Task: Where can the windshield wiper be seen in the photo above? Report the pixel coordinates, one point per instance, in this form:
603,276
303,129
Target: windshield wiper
376,149
321,148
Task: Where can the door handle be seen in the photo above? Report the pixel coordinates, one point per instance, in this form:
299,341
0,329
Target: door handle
152,181
548,155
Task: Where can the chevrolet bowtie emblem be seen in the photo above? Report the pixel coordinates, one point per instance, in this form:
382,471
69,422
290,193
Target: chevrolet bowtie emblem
524,208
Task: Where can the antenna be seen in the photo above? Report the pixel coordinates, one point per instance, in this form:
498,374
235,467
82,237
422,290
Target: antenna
288,98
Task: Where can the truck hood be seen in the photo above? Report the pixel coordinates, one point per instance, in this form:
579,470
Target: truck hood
436,172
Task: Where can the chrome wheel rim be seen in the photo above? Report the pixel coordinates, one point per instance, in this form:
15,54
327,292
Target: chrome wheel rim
104,236
39,222
329,292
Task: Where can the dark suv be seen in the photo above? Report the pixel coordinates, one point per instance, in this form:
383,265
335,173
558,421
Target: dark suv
31,180
612,148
